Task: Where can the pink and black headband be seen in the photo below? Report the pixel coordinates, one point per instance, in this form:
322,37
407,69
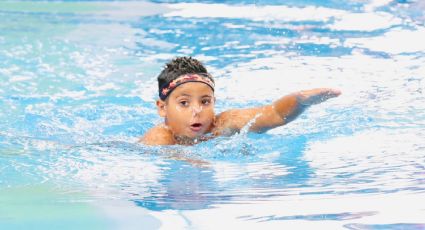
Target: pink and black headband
167,88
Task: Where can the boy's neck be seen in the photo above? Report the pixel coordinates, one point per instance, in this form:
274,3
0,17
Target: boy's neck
183,140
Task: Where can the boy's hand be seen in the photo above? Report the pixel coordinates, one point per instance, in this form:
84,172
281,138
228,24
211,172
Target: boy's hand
316,96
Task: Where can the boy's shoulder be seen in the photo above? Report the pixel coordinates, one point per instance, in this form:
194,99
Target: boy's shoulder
158,135
227,123
232,121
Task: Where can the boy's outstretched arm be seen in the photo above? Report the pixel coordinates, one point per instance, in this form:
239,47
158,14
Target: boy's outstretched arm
280,112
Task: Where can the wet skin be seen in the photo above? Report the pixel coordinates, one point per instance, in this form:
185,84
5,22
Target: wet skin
189,114
189,110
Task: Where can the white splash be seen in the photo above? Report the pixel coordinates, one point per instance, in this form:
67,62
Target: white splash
252,12
365,21
395,41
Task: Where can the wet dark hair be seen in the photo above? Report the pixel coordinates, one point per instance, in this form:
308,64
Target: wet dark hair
178,67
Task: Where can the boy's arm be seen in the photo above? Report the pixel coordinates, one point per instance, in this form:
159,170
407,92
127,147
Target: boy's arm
280,112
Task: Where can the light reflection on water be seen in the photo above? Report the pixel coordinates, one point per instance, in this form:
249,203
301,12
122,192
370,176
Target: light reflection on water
78,88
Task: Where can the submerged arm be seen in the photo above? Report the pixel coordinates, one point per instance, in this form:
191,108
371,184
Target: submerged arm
280,112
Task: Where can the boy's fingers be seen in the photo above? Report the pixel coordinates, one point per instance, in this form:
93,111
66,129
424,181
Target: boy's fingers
326,94
335,92
330,93
315,96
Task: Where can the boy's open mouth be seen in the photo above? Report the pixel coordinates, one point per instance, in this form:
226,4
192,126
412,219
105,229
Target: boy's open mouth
196,127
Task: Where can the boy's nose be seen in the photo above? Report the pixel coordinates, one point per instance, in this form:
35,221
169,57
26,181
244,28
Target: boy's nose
196,109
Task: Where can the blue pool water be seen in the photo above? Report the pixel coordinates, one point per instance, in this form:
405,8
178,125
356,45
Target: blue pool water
78,86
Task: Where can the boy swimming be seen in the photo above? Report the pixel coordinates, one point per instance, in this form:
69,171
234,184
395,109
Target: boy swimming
186,102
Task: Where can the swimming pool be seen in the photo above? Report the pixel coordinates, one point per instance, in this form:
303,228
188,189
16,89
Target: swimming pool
78,85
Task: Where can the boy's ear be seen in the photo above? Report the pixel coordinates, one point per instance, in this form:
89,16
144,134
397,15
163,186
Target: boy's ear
160,104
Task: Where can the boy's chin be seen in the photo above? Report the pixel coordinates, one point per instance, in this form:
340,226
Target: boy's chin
189,135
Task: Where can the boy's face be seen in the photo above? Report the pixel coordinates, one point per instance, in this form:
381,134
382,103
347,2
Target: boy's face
189,109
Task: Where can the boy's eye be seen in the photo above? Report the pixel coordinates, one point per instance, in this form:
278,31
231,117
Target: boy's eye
184,103
206,101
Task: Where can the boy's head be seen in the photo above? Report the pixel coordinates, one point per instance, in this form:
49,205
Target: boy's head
174,71
186,92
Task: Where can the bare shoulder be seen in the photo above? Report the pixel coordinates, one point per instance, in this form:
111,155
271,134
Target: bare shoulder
232,121
259,119
158,135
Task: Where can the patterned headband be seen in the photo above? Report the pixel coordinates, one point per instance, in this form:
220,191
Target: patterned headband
167,88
